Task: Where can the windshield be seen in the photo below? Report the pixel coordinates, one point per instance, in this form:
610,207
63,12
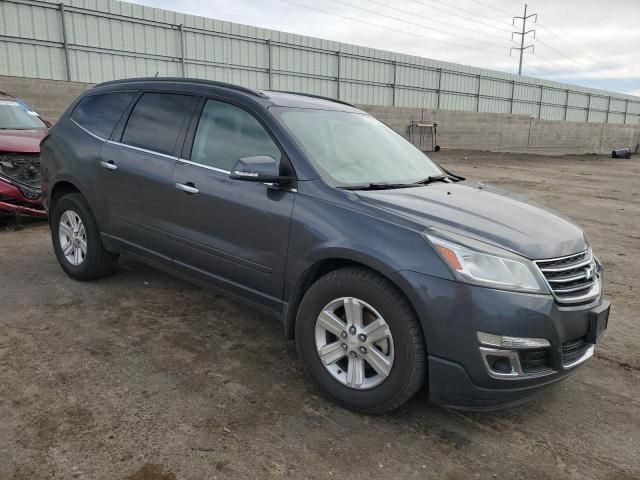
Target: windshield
355,149
15,115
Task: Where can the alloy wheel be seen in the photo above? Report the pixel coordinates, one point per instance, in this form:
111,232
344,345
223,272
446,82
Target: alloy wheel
73,237
354,343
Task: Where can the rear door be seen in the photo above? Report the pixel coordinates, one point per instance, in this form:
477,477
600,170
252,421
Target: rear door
230,233
136,165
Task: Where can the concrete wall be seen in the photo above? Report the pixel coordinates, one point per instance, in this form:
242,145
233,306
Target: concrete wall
510,133
48,97
468,130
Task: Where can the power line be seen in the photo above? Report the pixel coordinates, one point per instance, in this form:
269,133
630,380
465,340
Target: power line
417,24
389,28
560,53
523,34
475,14
567,43
492,7
463,16
439,21
562,67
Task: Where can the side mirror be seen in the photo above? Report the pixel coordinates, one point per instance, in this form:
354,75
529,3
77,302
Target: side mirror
262,168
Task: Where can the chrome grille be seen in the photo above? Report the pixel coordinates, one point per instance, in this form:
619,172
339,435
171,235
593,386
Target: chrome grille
572,279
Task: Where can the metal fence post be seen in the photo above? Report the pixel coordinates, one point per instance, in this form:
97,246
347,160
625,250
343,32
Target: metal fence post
513,94
566,105
338,57
65,45
540,102
478,104
626,110
269,65
439,87
608,109
395,73
182,54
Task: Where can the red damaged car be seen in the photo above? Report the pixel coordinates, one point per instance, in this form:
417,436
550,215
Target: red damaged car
21,130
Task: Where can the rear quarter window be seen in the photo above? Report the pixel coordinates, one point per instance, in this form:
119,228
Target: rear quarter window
100,113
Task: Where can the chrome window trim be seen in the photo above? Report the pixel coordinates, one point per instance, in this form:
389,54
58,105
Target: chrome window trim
144,150
583,358
228,172
208,167
87,131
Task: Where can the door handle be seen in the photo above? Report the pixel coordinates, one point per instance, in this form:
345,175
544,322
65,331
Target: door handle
187,187
109,165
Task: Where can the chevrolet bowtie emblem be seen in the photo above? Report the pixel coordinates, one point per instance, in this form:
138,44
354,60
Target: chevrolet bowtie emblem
588,272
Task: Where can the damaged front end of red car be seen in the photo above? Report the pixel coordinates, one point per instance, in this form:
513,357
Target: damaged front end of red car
21,130
20,185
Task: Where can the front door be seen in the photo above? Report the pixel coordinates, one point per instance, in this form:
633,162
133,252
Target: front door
134,176
230,233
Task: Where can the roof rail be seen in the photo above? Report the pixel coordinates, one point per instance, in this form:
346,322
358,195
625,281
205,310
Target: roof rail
335,100
230,86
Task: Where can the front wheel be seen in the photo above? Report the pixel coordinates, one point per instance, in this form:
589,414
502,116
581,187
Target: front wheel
360,341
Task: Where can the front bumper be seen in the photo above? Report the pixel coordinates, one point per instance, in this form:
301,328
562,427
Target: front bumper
452,314
13,201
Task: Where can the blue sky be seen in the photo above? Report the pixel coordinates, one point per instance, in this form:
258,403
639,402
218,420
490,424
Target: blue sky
585,42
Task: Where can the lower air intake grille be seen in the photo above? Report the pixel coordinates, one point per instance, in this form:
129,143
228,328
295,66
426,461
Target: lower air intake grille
573,350
535,360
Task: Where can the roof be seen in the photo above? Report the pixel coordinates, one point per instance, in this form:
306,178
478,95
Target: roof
278,98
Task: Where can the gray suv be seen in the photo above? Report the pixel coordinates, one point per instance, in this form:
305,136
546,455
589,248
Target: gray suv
390,273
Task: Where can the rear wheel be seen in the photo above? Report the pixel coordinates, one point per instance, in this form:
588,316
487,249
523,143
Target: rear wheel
76,240
360,341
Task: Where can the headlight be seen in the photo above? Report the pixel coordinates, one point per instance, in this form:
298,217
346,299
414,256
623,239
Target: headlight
482,264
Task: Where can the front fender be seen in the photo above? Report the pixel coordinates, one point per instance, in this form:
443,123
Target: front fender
322,230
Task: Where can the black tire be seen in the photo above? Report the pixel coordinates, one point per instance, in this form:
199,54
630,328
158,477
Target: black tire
98,262
408,372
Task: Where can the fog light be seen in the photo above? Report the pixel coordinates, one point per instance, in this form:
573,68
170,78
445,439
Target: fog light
512,342
499,364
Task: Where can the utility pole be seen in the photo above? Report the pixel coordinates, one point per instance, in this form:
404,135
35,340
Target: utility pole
524,32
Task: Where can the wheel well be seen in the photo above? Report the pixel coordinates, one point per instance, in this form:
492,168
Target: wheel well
315,272
60,189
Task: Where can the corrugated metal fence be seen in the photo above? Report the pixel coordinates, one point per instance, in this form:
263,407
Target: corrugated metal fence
98,40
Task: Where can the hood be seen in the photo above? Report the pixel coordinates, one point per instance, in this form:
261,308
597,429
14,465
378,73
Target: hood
486,214
21,141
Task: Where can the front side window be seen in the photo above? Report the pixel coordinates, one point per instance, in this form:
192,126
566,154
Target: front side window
354,149
156,121
227,133
15,115
100,113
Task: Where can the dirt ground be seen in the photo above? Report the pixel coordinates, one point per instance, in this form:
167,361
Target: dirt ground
143,376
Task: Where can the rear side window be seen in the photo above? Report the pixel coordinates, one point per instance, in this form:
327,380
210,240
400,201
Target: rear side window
156,121
100,113
226,134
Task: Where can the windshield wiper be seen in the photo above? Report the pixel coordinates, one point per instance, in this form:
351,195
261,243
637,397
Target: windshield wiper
436,178
379,186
